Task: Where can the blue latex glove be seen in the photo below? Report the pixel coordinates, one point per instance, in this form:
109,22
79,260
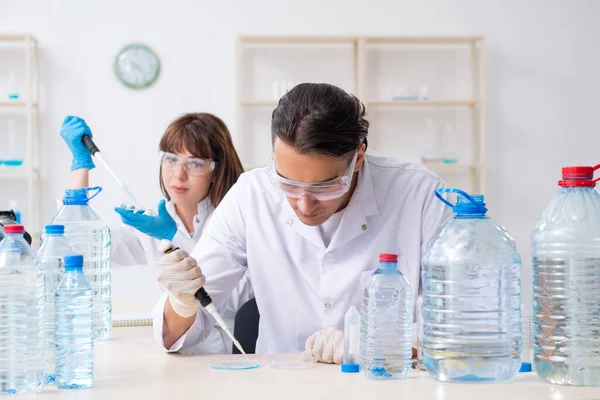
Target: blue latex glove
160,226
72,130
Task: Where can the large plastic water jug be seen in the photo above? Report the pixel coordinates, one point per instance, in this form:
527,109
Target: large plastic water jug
89,236
471,297
566,282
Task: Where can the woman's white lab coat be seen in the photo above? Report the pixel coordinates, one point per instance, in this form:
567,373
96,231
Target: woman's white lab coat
302,285
132,247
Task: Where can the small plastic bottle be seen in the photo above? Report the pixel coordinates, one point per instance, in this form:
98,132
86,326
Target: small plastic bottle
74,327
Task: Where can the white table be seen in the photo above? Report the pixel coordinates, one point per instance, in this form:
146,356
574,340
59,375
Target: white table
131,366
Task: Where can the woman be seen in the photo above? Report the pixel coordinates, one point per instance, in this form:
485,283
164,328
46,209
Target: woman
199,164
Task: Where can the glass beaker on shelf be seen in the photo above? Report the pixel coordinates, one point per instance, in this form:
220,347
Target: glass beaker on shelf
449,155
433,153
9,156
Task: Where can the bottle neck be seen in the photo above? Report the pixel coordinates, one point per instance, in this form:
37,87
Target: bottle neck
388,266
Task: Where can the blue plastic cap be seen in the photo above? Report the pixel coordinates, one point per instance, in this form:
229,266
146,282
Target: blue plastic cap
55,229
73,261
525,367
350,368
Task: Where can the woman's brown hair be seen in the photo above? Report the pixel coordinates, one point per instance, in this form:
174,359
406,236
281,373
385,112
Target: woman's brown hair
204,136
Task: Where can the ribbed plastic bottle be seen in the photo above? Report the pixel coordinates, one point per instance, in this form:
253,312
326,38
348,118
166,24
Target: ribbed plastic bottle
89,236
386,323
74,327
50,260
471,297
22,339
566,282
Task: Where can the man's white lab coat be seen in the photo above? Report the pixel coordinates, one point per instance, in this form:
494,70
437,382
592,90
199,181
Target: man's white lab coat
300,285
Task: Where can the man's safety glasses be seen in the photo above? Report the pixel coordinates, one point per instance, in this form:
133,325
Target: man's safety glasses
328,190
192,166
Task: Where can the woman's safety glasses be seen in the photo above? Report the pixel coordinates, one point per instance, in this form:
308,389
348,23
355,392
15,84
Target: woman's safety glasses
192,166
322,191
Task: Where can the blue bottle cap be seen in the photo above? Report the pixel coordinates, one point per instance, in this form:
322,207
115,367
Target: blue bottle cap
55,229
525,367
350,368
73,261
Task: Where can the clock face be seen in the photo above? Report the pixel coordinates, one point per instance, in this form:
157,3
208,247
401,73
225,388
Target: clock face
137,66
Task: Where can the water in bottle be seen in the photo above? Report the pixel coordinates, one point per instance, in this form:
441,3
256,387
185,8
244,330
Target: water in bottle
386,323
87,235
49,260
471,297
566,282
22,339
74,327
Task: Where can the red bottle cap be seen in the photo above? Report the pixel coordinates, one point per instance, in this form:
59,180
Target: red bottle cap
579,176
387,257
14,228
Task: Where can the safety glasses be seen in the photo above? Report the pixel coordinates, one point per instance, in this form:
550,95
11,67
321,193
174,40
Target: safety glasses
192,166
328,190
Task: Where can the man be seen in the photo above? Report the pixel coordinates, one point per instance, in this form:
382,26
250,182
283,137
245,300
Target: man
308,228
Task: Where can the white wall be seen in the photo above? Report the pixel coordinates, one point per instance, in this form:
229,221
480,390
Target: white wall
542,80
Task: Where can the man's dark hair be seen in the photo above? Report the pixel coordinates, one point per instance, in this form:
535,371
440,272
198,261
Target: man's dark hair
320,118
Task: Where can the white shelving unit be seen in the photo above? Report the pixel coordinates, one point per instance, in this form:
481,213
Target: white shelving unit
370,67
23,48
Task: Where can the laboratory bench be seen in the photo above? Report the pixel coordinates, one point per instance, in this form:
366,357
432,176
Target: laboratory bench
130,365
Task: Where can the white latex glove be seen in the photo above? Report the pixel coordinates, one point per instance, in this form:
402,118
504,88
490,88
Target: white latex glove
180,275
326,345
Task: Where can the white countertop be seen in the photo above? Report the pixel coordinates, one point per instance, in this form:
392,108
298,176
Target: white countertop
131,366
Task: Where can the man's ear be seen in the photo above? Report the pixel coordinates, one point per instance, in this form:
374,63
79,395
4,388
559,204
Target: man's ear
360,157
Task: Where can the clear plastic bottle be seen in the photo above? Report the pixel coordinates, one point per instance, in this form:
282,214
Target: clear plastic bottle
471,297
89,236
386,323
50,260
74,328
566,282
22,339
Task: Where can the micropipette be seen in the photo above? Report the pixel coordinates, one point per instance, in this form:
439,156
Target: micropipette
202,296
93,149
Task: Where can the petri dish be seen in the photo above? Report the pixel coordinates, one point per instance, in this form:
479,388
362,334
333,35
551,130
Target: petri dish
294,363
229,365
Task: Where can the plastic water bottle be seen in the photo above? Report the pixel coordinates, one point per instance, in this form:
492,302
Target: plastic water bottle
566,282
386,323
87,235
74,327
22,339
49,260
471,297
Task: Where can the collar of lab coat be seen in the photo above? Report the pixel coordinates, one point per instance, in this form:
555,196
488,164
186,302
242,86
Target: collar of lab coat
362,205
205,209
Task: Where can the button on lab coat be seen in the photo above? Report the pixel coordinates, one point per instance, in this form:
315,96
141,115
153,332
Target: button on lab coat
132,247
300,285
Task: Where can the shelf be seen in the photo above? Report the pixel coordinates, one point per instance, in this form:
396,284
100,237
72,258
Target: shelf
423,39
15,104
259,103
21,172
16,37
420,103
458,167
297,40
